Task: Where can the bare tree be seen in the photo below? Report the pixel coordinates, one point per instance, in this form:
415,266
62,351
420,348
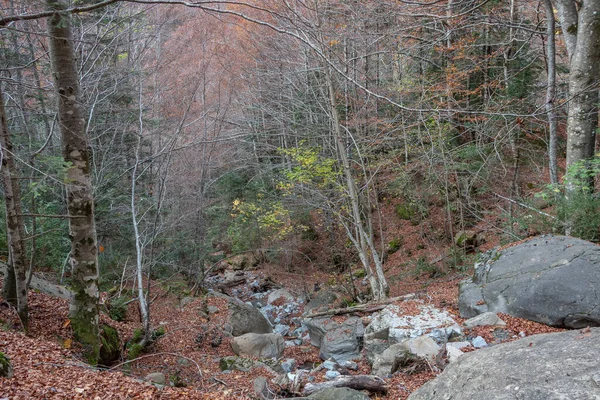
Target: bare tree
15,283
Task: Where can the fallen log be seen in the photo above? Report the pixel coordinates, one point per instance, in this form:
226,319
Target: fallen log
44,286
368,307
371,383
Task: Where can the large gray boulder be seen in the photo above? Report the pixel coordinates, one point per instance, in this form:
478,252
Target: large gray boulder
244,318
340,341
342,393
265,345
388,362
553,366
554,280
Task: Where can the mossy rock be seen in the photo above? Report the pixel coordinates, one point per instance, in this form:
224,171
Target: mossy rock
110,350
6,370
232,363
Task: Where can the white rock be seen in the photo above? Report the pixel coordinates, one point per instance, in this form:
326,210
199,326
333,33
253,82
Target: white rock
487,318
453,353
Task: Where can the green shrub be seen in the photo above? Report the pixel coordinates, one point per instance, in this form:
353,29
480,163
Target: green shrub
117,308
395,244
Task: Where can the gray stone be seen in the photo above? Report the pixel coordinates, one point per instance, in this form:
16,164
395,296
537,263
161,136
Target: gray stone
453,353
212,309
156,378
387,362
554,366
349,365
283,330
244,318
342,393
479,342
261,388
280,294
328,364
289,365
458,345
374,347
487,318
331,374
549,279
265,345
185,301
321,300
341,342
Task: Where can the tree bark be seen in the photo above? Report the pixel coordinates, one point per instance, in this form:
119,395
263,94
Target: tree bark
567,14
551,91
15,285
582,119
84,263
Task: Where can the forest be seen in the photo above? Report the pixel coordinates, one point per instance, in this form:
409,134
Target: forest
330,141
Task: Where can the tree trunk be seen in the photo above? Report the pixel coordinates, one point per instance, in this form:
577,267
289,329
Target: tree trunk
84,263
582,120
15,284
551,91
363,240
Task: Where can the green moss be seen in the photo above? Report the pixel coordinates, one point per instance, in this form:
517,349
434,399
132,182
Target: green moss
405,211
87,333
395,244
359,274
111,344
134,351
157,333
5,367
117,309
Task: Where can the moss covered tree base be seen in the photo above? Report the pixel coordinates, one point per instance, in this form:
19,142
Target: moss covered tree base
86,331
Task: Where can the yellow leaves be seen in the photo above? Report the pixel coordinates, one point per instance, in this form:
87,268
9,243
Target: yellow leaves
66,323
67,343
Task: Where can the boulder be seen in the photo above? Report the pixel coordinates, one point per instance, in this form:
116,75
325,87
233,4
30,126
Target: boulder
265,345
553,366
549,279
341,393
156,378
485,319
244,318
388,362
261,388
320,301
280,294
339,341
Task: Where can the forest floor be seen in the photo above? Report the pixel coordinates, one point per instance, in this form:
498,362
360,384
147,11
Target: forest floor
47,363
